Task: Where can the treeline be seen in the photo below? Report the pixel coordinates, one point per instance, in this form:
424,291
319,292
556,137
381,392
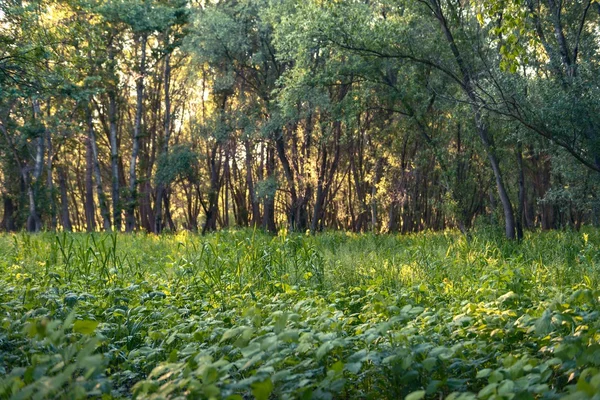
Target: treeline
394,116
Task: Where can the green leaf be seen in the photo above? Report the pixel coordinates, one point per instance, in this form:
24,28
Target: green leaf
337,366
488,390
484,373
418,395
262,390
354,367
86,327
429,363
543,325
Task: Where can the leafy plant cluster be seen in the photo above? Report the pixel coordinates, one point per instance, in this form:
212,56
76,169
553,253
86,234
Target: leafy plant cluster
240,314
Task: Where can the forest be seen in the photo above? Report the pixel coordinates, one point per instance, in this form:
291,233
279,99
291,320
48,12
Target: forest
367,116
299,199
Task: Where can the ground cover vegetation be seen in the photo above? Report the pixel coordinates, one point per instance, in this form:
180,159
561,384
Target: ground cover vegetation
240,314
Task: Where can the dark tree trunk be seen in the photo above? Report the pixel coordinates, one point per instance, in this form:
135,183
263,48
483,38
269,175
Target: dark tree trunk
49,178
8,219
168,215
102,201
250,182
114,145
325,178
90,222
160,190
521,206
269,198
65,218
393,217
377,178
34,223
212,210
133,183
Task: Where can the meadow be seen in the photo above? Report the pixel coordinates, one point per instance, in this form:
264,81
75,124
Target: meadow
242,315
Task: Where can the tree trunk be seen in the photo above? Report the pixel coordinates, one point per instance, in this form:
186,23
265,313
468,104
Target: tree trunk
65,218
521,205
325,179
114,146
318,209
160,190
377,178
102,201
133,183
34,223
212,211
49,179
8,219
294,216
269,199
90,222
482,129
250,182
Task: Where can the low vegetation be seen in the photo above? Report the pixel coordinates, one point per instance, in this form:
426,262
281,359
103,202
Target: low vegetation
241,315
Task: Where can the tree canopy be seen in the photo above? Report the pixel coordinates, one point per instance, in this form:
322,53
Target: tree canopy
384,116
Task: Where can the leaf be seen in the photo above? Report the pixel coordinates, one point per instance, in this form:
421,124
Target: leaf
508,296
230,333
418,395
86,327
337,367
280,321
488,390
323,350
543,325
429,363
484,373
506,387
354,367
262,390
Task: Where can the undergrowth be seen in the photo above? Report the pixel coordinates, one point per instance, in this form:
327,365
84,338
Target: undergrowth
240,314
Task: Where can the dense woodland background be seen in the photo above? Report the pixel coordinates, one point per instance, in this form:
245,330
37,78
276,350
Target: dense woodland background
385,116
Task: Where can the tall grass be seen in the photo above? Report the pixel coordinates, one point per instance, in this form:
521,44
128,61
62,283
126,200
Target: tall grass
337,314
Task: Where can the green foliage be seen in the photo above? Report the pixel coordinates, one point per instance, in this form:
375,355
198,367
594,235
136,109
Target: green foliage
180,163
245,315
266,188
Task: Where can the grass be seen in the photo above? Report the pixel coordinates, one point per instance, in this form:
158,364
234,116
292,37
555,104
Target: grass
240,314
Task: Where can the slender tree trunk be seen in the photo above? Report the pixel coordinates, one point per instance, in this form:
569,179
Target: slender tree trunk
168,214
227,178
269,199
65,218
133,183
250,182
8,219
326,176
377,178
160,191
49,179
296,203
102,201
521,205
321,192
22,172
212,211
34,223
507,208
114,146
90,220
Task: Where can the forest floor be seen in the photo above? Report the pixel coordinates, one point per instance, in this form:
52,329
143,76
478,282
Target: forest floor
240,314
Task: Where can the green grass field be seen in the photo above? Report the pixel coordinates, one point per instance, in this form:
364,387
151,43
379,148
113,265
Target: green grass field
243,315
